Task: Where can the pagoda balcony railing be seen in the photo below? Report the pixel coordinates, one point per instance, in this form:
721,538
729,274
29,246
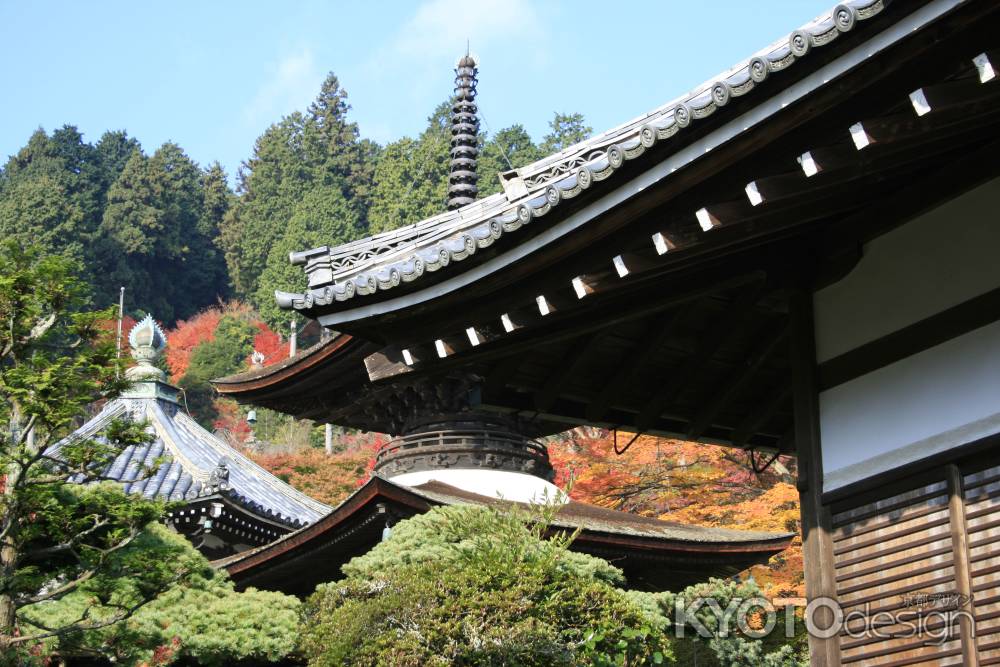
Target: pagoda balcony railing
481,448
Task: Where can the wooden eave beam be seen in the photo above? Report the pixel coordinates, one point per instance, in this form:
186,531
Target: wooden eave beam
717,334
657,332
576,355
560,326
761,414
866,87
737,382
568,412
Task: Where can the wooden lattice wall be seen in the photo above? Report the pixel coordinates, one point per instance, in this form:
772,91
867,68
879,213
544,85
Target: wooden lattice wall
928,555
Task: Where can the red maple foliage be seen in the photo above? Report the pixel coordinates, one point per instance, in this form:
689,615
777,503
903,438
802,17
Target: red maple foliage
269,344
186,336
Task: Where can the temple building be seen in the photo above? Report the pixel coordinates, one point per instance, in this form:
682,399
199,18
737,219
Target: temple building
797,257
447,449
230,503
447,452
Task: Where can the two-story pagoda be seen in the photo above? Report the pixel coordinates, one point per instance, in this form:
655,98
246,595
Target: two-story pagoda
799,256
449,446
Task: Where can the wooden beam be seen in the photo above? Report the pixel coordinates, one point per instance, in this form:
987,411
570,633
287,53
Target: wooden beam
728,324
721,213
628,263
385,363
734,384
950,94
761,414
568,412
987,63
577,353
500,373
817,541
768,189
960,559
572,323
656,334
518,318
820,159
584,285
663,242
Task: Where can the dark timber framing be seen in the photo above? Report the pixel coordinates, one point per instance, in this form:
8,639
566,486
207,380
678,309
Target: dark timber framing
676,299
817,545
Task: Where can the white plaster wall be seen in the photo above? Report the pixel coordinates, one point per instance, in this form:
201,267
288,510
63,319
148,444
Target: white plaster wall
949,255
941,398
490,483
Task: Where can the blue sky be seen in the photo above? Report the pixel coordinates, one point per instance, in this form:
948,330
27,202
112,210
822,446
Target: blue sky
212,75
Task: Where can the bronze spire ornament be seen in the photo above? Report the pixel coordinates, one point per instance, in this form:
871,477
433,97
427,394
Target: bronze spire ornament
462,188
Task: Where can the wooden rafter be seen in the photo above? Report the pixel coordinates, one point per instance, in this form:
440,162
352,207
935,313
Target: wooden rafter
761,414
572,323
735,383
727,325
577,353
633,361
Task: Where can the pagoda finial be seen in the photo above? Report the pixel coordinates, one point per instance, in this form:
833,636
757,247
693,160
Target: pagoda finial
462,181
147,341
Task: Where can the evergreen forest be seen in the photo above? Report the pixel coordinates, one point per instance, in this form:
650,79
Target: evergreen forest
180,239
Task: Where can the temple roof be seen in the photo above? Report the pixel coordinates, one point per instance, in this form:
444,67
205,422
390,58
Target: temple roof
388,260
184,461
575,514
179,464
655,554
658,300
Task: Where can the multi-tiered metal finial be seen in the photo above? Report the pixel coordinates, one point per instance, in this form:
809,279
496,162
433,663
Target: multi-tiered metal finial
147,341
462,188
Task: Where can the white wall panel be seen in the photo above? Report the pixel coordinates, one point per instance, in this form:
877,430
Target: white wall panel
941,398
949,255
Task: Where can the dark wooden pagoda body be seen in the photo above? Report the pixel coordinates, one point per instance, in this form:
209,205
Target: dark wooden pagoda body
660,280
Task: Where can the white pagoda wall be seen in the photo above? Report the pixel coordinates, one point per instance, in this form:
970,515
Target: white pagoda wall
937,399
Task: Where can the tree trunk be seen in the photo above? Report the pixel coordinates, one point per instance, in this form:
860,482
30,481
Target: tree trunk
9,555
8,564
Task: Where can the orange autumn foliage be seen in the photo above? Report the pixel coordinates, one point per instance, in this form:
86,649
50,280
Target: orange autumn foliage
686,482
189,334
329,479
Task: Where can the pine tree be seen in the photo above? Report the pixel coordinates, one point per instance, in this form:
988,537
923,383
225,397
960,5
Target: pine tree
508,149
336,153
313,161
411,176
323,217
50,194
156,237
565,129
275,177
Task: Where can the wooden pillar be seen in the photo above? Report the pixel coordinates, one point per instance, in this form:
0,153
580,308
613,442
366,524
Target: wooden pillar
817,543
960,557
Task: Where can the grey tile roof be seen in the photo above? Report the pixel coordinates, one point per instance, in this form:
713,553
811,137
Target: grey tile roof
387,260
178,464
575,514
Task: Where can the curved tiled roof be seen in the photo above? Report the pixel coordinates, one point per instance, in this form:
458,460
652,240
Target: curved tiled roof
178,464
573,515
386,260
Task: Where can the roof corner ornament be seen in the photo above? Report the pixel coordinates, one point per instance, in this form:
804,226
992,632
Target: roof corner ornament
219,479
147,342
462,181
